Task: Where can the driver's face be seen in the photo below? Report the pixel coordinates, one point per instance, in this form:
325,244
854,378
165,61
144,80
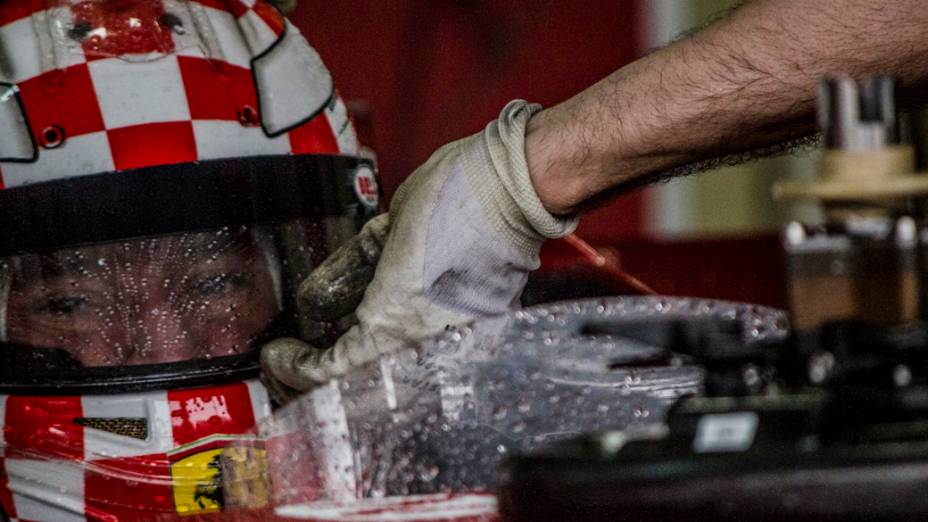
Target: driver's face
146,301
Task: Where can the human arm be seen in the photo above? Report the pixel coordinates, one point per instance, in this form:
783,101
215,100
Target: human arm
745,82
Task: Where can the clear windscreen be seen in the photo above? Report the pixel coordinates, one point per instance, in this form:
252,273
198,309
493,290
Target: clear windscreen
434,422
154,300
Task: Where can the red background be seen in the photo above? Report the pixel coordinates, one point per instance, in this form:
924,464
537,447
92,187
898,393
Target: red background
432,71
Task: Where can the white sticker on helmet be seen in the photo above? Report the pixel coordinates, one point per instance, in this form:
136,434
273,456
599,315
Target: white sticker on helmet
293,83
15,141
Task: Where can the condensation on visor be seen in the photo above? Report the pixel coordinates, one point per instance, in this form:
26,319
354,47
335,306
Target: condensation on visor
145,301
105,238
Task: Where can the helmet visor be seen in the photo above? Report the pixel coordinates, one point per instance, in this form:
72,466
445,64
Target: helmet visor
155,300
166,286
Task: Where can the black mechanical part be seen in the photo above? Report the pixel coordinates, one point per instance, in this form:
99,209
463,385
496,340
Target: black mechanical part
838,431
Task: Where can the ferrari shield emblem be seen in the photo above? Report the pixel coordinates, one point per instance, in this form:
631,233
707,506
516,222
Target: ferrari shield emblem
219,478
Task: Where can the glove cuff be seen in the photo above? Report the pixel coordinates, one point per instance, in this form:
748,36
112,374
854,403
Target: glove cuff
523,218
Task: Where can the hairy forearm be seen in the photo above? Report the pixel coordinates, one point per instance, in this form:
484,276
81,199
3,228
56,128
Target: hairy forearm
745,82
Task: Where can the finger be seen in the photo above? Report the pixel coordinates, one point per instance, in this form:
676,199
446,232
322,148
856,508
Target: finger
335,288
292,366
279,392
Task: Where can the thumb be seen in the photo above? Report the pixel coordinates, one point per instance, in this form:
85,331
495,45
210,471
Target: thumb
336,287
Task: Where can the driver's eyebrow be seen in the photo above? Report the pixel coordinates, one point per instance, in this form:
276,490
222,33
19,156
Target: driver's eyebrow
204,249
85,262
55,265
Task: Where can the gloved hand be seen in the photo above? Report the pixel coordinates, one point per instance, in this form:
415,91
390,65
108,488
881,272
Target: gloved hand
465,230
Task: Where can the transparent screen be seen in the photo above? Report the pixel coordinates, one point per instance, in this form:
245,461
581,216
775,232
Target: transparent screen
441,415
145,301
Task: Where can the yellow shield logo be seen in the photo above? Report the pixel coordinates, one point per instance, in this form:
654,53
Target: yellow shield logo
219,479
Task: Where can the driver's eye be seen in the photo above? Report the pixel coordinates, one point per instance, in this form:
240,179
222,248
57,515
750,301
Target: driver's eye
218,285
64,305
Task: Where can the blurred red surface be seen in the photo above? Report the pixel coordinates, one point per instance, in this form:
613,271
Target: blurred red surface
432,71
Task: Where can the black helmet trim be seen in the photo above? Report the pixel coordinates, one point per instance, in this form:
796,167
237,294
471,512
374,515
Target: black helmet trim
184,197
78,380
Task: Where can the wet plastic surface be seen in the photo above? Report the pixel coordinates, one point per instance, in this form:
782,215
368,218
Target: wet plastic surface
417,436
439,416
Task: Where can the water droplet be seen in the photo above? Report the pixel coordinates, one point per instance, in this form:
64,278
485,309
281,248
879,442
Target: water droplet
428,474
499,412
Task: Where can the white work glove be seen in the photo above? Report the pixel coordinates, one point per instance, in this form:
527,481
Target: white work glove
465,230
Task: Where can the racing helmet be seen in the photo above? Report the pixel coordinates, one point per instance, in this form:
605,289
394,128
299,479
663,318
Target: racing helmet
169,171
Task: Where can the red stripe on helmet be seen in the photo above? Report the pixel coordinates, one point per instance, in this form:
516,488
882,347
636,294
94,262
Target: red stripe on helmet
143,485
43,427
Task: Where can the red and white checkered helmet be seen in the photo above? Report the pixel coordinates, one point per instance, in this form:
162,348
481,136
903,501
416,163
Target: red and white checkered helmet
179,125
169,127
92,86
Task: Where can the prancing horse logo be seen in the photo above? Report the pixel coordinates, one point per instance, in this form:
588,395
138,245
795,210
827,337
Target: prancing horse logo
220,479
